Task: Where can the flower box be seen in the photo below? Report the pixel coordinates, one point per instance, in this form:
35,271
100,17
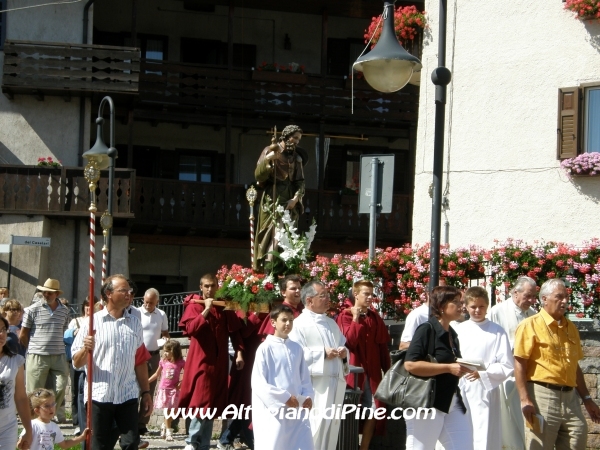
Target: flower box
279,77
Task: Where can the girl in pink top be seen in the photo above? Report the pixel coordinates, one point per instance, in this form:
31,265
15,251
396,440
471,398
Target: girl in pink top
167,395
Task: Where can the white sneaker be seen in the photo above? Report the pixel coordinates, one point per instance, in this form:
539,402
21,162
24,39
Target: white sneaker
76,431
189,447
221,446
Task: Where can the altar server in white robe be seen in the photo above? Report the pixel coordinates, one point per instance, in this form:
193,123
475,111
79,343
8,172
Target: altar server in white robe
327,360
509,314
281,390
485,342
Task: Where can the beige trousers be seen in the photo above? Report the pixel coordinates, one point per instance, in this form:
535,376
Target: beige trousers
565,427
50,372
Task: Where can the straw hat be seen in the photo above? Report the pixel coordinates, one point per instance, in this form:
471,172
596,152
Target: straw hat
51,286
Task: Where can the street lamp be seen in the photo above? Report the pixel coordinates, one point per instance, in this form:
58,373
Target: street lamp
105,158
388,67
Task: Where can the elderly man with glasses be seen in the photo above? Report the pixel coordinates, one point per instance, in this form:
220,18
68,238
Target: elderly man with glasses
327,361
118,379
547,354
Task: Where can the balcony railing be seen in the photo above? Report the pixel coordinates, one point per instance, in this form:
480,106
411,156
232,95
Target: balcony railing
39,69
174,205
220,90
64,69
61,191
184,204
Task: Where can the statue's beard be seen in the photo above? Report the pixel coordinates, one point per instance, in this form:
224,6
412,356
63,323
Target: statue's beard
290,146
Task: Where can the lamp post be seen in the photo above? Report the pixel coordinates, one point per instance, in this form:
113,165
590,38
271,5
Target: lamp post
387,68
98,158
100,148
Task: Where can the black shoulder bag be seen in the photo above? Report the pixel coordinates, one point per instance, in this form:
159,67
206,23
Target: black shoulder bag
401,389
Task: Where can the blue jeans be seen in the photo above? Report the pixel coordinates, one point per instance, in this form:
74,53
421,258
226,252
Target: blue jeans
200,434
238,426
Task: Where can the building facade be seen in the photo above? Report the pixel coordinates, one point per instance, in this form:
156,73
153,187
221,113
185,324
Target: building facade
507,128
193,112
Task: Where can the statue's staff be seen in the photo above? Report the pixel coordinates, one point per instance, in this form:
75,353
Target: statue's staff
251,197
274,142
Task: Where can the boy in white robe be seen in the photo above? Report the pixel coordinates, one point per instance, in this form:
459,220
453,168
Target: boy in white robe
281,390
487,342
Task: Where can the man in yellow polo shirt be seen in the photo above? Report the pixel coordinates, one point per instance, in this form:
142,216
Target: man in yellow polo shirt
547,372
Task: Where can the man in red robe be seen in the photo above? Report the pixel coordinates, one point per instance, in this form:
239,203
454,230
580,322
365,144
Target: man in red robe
289,287
367,339
204,383
240,388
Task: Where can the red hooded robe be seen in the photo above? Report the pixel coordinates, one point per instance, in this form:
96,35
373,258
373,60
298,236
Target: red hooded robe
204,383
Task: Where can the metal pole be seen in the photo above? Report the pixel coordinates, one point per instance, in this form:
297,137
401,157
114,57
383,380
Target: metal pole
112,154
441,77
9,263
374,204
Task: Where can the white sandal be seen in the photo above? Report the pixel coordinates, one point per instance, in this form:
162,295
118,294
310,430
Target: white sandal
163,430
169,434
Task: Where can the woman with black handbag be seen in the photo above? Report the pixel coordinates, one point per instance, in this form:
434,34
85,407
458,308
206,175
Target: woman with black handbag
452,423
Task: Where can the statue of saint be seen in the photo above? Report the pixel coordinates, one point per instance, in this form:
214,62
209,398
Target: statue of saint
280,172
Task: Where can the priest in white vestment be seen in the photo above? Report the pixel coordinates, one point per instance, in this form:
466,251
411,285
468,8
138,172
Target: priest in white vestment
326,357
281,390
509,314
487,343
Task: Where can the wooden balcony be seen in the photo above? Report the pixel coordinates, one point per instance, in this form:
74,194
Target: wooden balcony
61,191
69,69
250,94
188,208
183,208
192,93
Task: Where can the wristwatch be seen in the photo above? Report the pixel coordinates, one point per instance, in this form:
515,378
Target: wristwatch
144,392
587,397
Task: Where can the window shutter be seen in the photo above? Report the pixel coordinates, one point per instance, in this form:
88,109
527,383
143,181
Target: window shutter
568,123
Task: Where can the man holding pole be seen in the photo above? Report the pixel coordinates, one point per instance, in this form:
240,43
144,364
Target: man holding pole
204,384
117,381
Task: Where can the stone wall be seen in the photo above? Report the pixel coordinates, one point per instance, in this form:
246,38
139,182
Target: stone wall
590,366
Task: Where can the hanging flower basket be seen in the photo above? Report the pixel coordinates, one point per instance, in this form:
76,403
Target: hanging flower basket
584,9
408,22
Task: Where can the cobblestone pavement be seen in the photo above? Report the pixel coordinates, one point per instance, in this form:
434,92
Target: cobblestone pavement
153,437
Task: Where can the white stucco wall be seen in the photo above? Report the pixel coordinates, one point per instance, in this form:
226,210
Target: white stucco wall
508,61
29,128
33,265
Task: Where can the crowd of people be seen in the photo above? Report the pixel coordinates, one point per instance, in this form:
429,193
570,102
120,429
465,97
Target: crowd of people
506,378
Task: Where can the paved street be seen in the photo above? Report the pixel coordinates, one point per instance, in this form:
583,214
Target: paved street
153,437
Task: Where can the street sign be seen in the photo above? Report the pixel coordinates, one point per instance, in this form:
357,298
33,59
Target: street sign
29,240
5,248
385,184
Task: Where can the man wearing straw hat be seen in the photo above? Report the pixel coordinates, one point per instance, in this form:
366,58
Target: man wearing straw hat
44,324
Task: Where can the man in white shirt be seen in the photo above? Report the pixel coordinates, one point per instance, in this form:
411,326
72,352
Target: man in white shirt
327,361
415,318
155,326
509,314
117,381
